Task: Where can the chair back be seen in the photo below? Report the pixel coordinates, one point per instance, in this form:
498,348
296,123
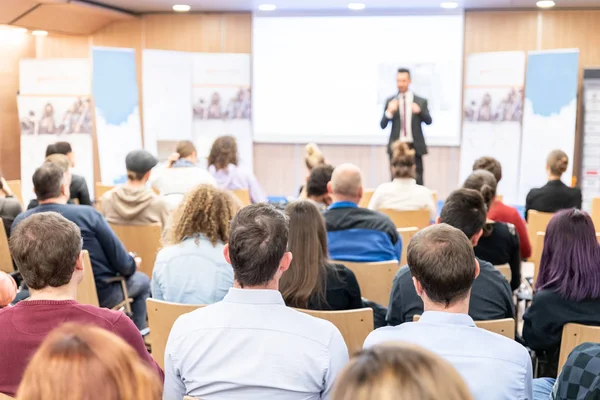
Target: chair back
87,292
537,221
410,218
434,195
505,270
504,326
596,212
500,197
6,264
354,325
536,255
572,336
5,397
243,195
374,278
16,188
100,189
366,198
191,398
145,240
406,234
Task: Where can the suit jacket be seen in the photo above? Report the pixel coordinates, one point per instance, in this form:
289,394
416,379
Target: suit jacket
417,120
552,197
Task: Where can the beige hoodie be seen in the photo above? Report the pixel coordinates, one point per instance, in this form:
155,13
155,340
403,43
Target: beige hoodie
134,206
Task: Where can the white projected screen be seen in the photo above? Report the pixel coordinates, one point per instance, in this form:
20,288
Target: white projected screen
326,79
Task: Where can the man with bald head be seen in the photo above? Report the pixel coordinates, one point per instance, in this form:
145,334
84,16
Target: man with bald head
357,234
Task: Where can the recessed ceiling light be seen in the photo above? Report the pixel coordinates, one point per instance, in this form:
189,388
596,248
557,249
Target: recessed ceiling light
449,4
181,8
39,33
545,4
267,7
356,6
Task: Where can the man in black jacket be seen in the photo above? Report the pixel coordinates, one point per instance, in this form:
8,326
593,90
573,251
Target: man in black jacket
78,188
407,111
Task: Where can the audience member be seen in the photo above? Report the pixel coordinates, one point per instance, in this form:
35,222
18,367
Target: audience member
78,189
501,212
313,157
554,195
134,203
499,243
180,175
403,193
109,257
192,268
250,345
491,297
443,266
316,186
47,250
223,166
8,289
357,234
397,371
10,206
313,281
61,161
568,286
77,362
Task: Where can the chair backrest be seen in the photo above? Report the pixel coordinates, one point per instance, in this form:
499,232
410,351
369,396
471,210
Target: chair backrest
374,278
6,264
145,240
354,325
191,398
596,212
407,219
504,326
87,292
536,222
243,195
434,195
5,397
161,317
100,189
572,336
499,197
536,254
406,234
15,187
366,198
505,270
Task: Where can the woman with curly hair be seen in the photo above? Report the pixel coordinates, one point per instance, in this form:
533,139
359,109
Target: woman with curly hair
223,165
191,269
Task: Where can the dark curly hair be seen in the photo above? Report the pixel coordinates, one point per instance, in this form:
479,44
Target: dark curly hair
223,152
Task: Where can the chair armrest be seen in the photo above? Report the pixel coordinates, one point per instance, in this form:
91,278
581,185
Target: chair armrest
115,279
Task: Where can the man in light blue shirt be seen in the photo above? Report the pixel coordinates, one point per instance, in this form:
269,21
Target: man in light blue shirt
251,346
443,266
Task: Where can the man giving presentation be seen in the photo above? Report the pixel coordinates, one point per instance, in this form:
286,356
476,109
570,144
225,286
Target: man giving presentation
407,111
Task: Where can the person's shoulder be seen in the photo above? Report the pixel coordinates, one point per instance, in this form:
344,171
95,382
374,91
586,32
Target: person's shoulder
77,179
504,348
487,270
547,296
386,334
403,273
533,193
97,315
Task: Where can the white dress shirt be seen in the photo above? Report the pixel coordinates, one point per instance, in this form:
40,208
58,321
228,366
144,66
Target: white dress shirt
403,194
251,346
407,99
493,366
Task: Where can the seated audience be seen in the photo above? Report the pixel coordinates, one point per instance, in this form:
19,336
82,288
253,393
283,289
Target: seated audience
567,286
78,189
192,268
134,203
499,243
109,257
62,162
357,234
316,186
313,281
491,297
501,212
400,372
554,195
223,166
77,362
8,289
180,175
403,193
313,157
47,250
10,206
250,345
443,266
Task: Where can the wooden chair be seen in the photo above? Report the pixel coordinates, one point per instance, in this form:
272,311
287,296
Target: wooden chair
354,325
406,234
366,198
145,240
5,397
536,222
375,279
243,195
499,197
504,327
100,189
505,270
536,254
573,335
406,219
434,195
596,212
16,188
6,264
161,317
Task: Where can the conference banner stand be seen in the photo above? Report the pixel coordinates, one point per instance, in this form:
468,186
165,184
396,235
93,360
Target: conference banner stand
590,150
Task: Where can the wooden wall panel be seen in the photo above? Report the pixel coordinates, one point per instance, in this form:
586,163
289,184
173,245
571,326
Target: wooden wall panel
190,32
63,46
500,31
237,33
12,9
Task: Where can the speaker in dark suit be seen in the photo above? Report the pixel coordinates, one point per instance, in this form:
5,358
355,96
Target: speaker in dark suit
402,108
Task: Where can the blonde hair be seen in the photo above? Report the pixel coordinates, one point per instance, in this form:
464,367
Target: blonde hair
185,148
558,162
78,362
403,160
205,210
59,160
395,371
313,156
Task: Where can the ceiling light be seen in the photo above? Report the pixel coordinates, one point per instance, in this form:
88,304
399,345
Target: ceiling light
545,4
267,7
181,8
39,33
449,4
356,6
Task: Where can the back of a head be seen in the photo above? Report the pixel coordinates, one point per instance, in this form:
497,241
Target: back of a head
557,162
346,181
397,371
442,259
403,160
484,182
78,362
489,164
318,179
45,247
63,148
313,156
257,242
223,152
138,163
60,160
464,209
51,149
185,148
48,180
570,263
